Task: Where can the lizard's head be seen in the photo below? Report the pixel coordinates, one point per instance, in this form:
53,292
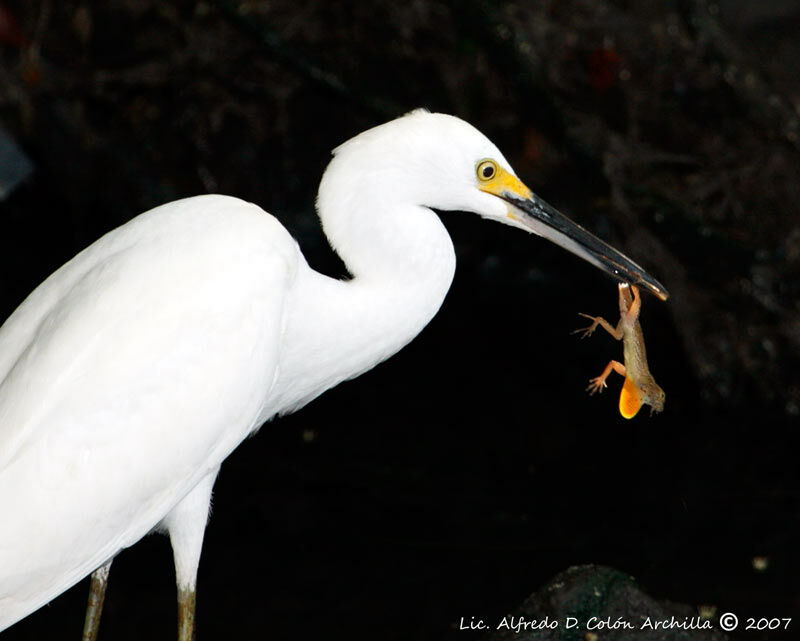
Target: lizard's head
654,396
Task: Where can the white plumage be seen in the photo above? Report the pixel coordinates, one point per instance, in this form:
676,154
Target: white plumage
131,373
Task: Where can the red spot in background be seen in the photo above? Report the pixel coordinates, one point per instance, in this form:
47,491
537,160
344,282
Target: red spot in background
533,144
10,33
604,68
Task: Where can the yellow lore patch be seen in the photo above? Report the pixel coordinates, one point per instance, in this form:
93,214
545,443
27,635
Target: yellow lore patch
505,184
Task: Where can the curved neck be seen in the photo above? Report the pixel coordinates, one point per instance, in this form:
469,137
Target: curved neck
402,263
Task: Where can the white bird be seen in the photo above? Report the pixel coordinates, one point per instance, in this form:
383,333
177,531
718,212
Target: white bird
132,372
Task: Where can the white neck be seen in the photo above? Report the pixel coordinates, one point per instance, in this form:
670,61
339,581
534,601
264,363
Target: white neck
402,261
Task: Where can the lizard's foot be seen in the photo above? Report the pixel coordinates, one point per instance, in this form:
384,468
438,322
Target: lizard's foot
597,384
588,331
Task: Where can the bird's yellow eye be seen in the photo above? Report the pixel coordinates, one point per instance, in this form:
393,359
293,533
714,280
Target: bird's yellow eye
486,170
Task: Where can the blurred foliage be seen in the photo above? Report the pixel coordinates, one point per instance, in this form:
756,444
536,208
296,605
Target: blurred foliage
648,121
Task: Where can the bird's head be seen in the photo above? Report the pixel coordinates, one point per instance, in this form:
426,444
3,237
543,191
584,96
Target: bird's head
440,161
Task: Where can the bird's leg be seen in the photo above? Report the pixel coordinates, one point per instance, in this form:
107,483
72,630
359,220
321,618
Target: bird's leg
186,524
97,592
598,383
186,607
597,320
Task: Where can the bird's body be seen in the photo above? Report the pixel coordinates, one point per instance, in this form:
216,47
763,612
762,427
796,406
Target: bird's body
112,375
130,374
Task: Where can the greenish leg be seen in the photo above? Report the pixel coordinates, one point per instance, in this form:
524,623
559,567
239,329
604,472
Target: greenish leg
97,592
186,606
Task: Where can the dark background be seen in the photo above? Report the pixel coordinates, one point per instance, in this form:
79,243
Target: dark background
461,475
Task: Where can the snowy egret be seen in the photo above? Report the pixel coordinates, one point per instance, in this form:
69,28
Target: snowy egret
134,370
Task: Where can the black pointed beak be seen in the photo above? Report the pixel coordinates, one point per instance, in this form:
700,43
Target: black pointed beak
535,215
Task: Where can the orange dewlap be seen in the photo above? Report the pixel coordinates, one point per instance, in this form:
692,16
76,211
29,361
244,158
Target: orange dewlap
630,401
